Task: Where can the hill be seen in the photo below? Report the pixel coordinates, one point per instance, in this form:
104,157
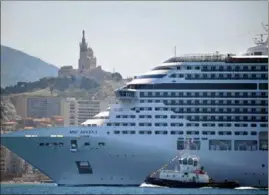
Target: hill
53,84
18,66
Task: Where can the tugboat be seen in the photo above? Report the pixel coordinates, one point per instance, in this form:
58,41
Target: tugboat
189,175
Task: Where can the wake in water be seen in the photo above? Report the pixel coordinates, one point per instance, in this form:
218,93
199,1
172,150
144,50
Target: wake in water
145,185
246,188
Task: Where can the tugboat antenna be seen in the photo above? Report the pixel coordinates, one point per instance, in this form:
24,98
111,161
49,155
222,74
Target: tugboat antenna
265,26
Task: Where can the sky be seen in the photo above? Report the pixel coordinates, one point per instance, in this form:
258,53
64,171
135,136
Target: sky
129,37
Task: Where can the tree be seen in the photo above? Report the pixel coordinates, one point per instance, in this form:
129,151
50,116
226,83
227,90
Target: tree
116,76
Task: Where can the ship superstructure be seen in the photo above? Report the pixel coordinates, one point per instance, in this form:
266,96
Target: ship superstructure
218,101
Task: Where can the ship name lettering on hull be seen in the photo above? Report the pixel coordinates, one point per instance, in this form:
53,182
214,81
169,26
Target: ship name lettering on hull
83,132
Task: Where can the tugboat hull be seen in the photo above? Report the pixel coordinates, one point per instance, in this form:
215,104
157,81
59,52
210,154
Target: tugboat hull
180,184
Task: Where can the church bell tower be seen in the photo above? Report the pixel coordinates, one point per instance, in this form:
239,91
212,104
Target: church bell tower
86,61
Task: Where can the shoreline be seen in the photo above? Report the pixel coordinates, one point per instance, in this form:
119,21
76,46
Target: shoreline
20,182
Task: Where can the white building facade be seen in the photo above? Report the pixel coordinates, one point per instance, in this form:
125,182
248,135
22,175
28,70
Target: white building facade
78,111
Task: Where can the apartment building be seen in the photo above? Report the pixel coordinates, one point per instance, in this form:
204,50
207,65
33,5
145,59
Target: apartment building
38,106
77,111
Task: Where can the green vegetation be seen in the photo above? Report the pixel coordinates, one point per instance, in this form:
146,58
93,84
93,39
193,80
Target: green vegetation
82,84
116,76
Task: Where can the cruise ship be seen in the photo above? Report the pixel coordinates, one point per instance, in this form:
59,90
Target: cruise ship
219,101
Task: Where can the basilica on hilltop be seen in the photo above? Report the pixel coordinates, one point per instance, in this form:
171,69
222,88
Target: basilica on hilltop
86,62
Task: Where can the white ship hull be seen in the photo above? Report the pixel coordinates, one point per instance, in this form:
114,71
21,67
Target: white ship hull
129,162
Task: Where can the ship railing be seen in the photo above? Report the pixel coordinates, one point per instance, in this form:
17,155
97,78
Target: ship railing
208,57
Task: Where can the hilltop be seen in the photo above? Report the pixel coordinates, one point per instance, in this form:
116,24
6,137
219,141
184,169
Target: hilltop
17,66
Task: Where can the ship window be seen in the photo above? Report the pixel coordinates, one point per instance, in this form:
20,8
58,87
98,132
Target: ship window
249,145
101,144
86,144
163,68
220,145
116,132
41,144
173,76
185,161
195,163
190,161
263,140
180,144
253,133
74,145
160,132
176,132
151,76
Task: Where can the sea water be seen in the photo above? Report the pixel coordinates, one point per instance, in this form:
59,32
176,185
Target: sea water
143,189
